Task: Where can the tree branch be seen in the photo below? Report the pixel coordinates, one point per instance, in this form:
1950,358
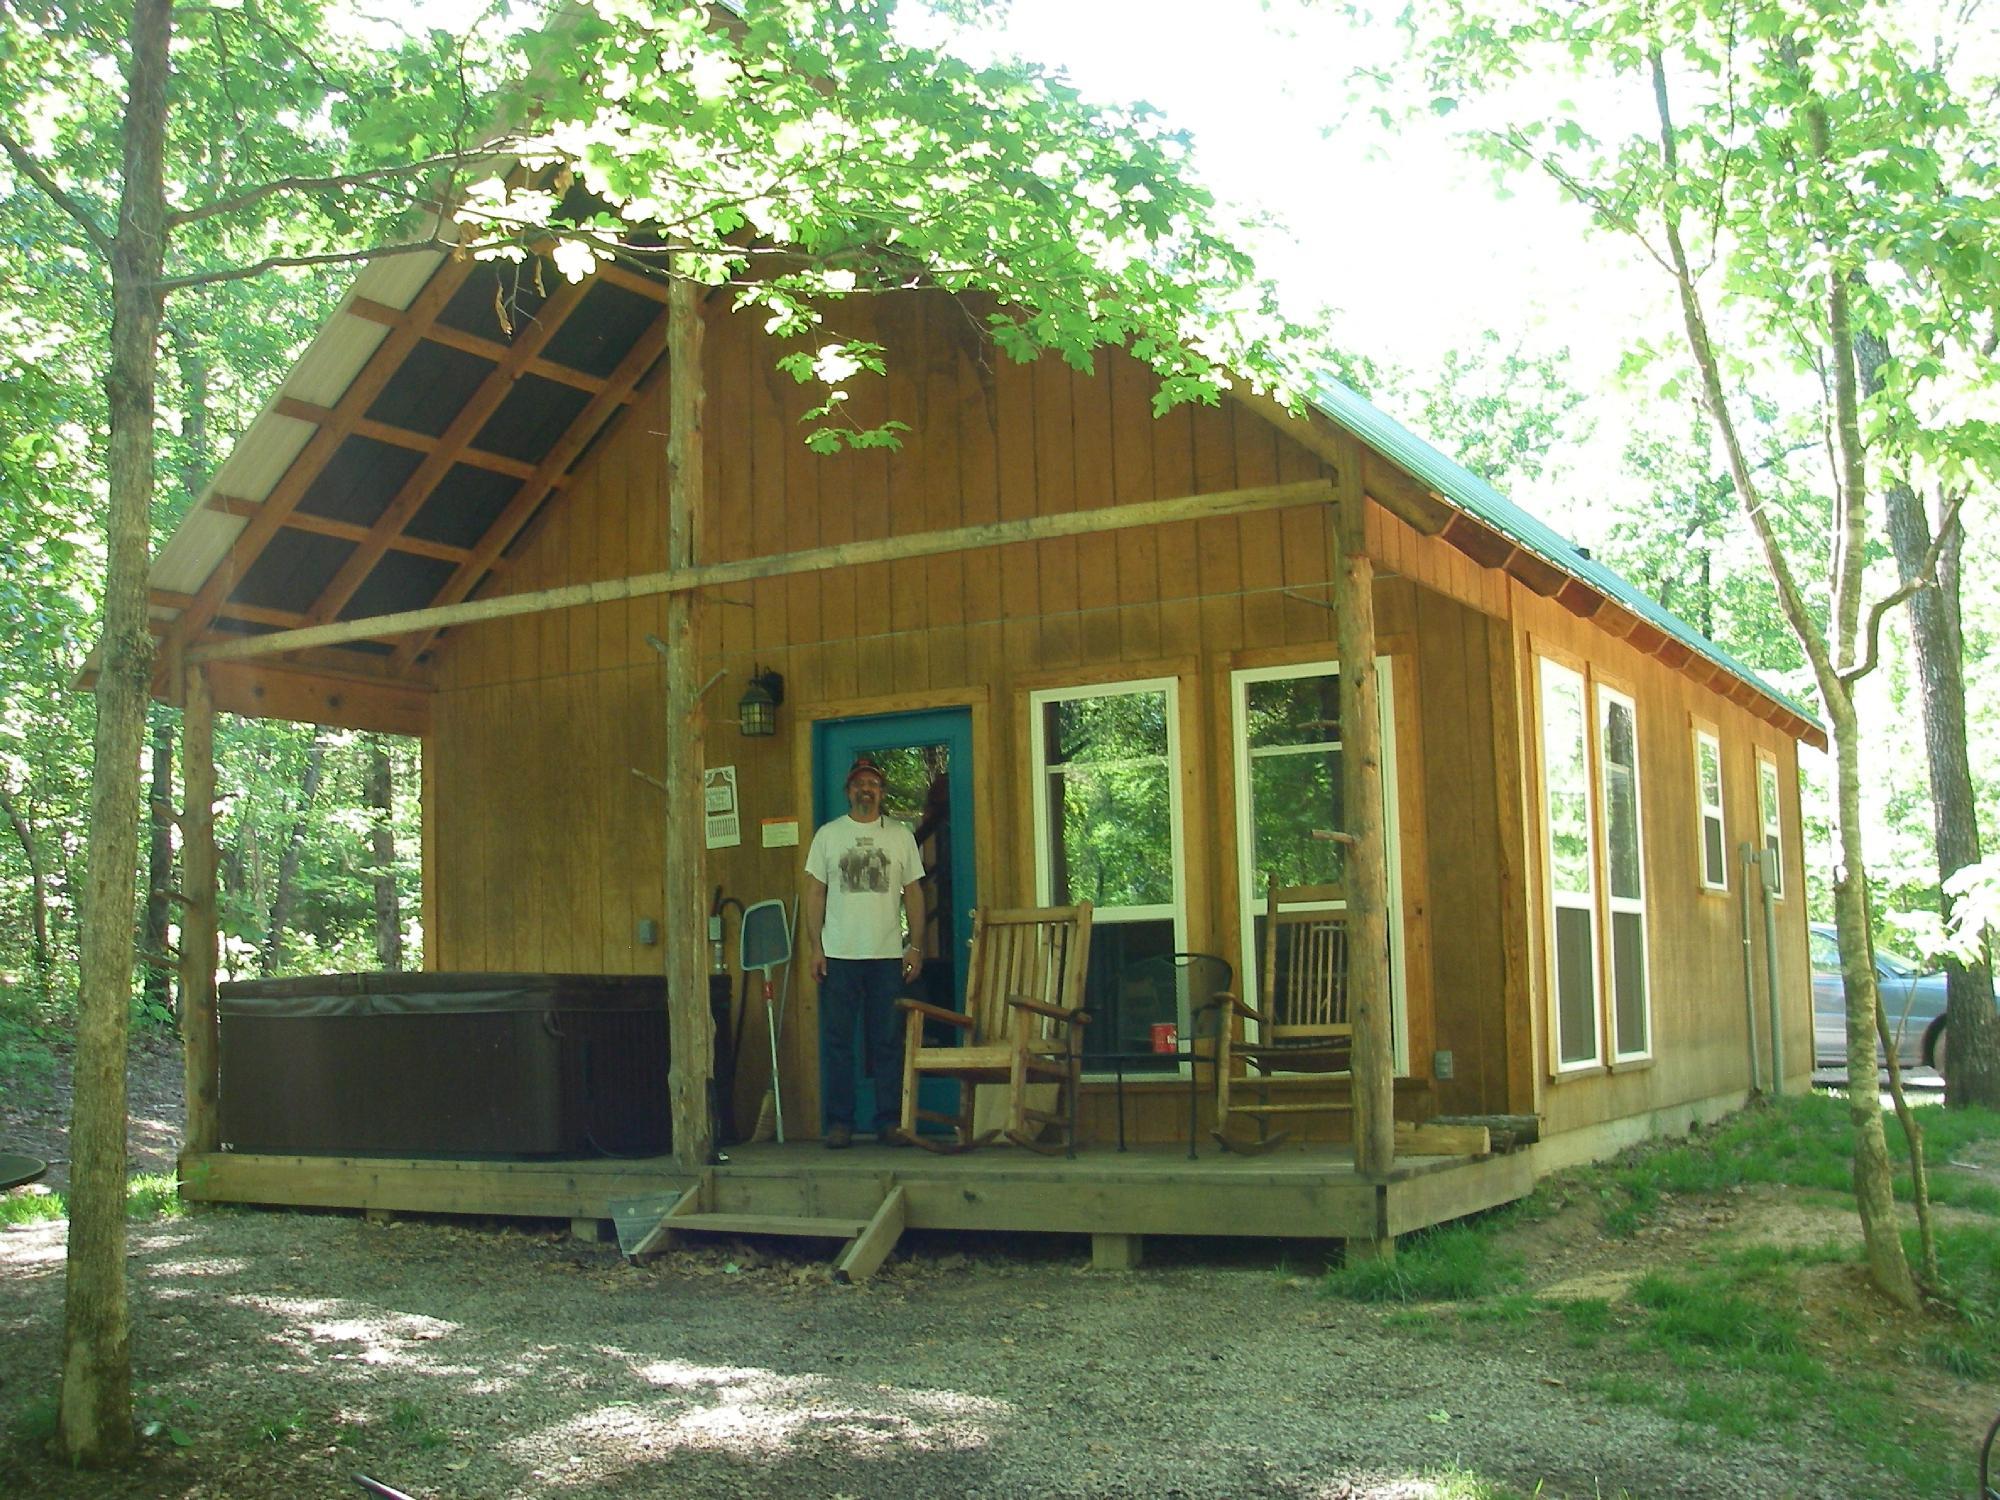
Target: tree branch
1925,577
99,237
433,244
251,196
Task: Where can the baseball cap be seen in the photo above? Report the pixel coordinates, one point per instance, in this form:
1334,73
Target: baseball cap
863,766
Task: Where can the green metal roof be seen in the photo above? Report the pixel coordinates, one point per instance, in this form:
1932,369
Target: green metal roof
1478,499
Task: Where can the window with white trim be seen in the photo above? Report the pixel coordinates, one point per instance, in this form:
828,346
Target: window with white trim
1290,807
1624,873
1593,826
1572,865
1708,796
1106,764
1771,818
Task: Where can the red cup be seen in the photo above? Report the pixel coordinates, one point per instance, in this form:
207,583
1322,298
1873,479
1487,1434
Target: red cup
1166,1036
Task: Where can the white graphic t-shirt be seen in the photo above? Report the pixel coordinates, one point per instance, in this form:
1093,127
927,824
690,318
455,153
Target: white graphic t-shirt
864,867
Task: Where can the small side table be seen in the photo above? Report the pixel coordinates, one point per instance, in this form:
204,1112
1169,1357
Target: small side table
1152,995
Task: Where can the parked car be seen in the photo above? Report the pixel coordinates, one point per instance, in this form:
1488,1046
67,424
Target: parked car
1913,1002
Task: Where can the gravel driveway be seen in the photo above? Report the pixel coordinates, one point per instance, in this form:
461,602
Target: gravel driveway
283,1352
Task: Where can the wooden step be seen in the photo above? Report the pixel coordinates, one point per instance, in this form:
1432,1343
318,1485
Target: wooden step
1328,1107
780,1224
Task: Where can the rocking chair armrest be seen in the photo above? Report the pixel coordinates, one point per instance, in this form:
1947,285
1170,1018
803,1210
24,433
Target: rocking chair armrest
935,1013
1053,1012
1237,1003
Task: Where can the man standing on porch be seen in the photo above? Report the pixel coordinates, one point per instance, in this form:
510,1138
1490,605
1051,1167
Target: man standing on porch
855,945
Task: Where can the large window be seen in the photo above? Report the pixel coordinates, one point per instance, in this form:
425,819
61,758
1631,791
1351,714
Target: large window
1768,814
1292,814
1572,865
1108,831
1624,872
1708,795
1592,819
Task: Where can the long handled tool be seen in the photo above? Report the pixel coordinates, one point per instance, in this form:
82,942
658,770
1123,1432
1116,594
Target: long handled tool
764,941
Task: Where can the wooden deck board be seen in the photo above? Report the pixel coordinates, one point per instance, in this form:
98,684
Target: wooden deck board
1311,1192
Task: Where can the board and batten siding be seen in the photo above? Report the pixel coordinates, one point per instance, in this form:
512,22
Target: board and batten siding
544,848
1694,936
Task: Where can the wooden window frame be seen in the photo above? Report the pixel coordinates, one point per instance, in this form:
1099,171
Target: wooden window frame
1568,900
1039,770
1771,818
1705,733
1250,888
1604,694
1595,688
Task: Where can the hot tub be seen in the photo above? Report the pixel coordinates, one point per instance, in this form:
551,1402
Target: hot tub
445,1064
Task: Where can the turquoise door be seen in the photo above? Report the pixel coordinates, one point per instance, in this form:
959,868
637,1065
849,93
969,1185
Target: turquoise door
926,761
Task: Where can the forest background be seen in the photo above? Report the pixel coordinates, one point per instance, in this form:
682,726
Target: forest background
1494,342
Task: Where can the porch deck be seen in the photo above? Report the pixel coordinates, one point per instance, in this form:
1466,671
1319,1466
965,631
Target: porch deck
1308,1192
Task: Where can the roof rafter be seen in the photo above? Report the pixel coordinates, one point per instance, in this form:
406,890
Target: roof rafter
347,531
291,488
396,437
642,356
471,343
471,419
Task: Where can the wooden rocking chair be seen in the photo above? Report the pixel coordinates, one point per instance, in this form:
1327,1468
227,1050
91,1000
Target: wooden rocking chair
1022,1025
1304,1043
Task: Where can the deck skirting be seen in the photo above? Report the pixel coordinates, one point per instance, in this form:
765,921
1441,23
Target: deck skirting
1306,1195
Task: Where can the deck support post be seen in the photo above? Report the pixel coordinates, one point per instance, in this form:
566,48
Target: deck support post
199,1026
1368,997
690,1027
1356,1251
1117,1252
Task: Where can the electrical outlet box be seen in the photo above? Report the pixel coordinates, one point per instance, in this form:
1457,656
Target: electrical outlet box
648,932
1441,1064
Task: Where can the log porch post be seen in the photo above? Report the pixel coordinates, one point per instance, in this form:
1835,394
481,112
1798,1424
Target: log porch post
690,1027
203,1133
1368,996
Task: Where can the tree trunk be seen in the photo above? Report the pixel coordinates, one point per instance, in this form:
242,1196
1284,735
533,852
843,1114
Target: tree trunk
38,895
1973,1059
94,1419
1873,1195
286,895
160,871
382,841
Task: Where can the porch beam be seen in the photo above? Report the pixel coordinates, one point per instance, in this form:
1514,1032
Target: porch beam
198,919
1367,863
845,554
690,1025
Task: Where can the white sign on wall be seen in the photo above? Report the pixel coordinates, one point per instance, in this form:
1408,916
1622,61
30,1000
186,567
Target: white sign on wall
724,826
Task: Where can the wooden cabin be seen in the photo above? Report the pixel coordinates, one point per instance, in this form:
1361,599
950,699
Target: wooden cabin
441,529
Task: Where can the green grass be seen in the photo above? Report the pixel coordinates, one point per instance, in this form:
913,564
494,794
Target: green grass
1455,1264
1800,1141
408,1419
150,1195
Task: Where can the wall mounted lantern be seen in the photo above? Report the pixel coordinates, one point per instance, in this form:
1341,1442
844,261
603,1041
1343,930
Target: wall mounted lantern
757,709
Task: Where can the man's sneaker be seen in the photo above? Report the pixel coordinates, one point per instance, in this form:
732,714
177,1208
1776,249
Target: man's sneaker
839,1137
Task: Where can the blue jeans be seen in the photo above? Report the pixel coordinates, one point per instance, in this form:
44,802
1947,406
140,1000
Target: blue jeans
860,994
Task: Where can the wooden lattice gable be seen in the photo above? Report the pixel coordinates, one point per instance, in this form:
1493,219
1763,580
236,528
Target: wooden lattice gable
439,411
